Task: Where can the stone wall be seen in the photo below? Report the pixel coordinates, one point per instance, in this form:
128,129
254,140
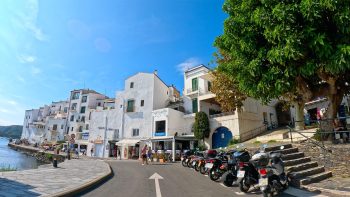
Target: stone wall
336,159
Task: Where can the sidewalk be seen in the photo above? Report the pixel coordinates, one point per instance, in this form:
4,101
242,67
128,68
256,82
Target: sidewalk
336,186
71,176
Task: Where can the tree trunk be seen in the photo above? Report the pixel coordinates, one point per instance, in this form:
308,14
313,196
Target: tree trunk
299,116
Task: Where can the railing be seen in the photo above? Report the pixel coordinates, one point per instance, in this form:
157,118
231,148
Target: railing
252,133
191,91
204,91
222,114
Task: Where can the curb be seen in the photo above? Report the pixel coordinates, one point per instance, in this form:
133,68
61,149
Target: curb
86,186
330,191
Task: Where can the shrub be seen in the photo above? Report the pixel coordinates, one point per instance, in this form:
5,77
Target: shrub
202,147
257,142
272,141
318,135
233,141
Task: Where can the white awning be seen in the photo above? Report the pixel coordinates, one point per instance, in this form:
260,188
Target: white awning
130,142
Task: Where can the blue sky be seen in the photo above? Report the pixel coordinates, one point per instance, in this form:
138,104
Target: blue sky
48,48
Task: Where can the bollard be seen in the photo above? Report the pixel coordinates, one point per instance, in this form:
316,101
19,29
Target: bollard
54,162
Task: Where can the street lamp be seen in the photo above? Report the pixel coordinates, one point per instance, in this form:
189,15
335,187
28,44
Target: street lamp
104,137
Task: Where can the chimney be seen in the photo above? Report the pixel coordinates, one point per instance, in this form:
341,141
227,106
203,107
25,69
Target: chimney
155,72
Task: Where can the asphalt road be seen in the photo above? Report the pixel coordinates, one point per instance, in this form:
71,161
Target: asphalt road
131,179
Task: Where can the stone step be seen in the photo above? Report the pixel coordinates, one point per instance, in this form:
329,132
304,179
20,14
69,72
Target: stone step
275,148
288,151
302,166
294,162
291,156
307,172
315,178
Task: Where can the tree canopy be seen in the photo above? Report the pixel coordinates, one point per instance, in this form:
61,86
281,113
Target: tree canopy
201,127
226,90
295,49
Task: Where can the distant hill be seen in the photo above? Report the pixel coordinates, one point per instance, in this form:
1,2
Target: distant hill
13,131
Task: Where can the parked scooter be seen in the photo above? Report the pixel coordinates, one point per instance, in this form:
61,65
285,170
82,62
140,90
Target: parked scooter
219,166
271,169
247,175
230,176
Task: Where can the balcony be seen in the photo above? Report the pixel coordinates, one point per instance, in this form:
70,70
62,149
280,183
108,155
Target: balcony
191,92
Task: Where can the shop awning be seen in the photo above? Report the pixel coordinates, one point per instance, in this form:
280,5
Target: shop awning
130,142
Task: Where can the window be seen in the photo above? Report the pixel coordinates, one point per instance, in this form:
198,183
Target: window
135,132
83,118
132,85
81,129
195,105
99,104
116,134
82,110
209,86
194,84
84,99
72,118
67,130
65,109
160,128
62,126
90,116
74,106
72,128
87,127
75,95
54,127
142,103
130,107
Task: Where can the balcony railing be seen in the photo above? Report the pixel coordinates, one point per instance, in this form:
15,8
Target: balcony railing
222,114
191,91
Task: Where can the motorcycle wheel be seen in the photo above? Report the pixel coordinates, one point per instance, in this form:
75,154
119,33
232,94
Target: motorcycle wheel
196,167
183,162
189,164
268,194
243,186
202,170
228,180
213,174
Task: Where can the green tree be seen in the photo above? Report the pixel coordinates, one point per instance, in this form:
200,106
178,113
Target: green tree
296,50
201,127
226,91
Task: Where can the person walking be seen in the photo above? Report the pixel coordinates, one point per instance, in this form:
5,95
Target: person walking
119,154
144,155
149,154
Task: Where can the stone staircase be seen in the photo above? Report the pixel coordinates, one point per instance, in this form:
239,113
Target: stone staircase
302,170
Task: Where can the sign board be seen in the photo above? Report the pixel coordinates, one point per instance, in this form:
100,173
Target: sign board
98,141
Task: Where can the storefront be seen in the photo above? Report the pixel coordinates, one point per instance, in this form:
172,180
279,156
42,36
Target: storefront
129,148
173,146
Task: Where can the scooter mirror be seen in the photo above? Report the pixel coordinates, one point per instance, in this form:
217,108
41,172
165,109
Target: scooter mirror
282,147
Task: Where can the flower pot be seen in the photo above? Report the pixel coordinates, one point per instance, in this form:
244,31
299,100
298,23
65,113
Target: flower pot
161,160
155,159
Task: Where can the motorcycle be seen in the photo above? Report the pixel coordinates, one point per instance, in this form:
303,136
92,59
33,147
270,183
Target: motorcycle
219,167
247,175
230,176
273,178
185,158
207,161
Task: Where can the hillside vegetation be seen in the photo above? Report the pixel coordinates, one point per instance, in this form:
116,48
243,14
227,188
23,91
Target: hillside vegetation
13,131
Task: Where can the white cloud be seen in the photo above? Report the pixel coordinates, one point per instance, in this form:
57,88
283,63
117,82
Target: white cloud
29,20
12,102
20,78
187,64
4,110
27,58
35,70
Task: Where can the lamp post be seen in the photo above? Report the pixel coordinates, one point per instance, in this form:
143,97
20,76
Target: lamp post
104,137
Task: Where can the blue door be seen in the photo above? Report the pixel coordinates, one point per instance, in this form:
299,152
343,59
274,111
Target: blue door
221,137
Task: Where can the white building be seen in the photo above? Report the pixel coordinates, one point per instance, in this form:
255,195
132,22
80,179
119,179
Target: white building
129,125
81,103
175,122
45,123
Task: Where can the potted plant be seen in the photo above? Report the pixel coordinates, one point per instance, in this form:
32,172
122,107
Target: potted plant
155,157
161,157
